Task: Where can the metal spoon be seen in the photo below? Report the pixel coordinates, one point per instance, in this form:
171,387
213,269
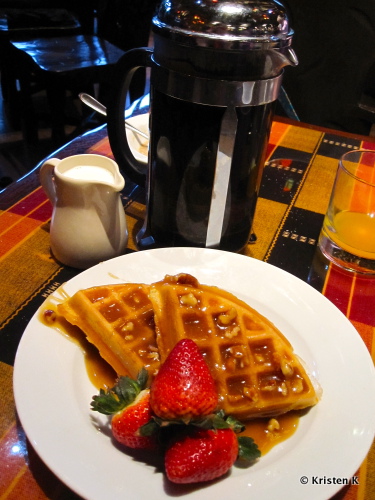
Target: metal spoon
94,104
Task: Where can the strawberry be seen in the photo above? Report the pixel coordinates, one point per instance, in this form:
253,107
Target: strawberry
202,455
183,389
129,404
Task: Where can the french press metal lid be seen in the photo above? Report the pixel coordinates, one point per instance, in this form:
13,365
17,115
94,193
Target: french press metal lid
246,39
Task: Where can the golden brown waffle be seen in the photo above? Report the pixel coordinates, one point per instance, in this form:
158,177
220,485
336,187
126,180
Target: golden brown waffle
119,321
256,372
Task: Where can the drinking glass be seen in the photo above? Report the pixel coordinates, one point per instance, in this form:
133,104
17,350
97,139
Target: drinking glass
348,234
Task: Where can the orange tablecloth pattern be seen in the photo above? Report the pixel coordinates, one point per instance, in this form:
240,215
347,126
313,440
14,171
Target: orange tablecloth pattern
297,181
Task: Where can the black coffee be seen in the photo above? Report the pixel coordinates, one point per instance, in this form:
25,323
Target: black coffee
184,145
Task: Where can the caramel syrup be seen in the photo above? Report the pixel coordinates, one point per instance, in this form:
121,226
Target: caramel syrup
100,373
102,376
266,439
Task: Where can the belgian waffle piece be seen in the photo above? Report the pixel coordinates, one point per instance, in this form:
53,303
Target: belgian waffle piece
254,366
119,321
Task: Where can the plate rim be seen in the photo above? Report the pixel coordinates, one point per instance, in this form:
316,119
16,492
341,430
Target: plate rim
190,252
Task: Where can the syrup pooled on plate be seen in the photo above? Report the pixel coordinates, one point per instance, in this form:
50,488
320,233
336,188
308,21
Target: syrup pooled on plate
100,373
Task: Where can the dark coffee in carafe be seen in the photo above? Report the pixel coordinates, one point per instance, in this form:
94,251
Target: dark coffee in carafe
187,204
216,71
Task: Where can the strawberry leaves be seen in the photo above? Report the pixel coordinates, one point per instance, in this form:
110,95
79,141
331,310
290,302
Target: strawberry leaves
248,451
121,395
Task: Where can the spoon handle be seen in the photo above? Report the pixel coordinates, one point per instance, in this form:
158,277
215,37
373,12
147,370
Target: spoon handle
92,103
100,108
135,130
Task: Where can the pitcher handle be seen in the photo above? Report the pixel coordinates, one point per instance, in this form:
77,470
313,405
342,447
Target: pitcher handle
46,176
123,73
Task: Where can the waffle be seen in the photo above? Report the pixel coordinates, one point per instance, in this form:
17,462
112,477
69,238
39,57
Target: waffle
119,321
254,366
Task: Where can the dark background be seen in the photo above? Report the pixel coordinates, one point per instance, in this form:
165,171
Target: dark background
335,43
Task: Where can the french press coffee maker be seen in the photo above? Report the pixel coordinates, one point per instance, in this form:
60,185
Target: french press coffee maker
216,71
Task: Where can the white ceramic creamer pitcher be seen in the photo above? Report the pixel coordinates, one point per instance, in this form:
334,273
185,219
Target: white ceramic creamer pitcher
88,220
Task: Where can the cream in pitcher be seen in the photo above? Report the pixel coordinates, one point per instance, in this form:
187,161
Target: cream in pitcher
88,220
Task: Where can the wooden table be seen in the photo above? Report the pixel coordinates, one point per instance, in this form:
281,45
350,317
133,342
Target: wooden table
296,185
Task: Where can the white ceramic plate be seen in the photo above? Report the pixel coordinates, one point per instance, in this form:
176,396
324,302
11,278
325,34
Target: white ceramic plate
53,393
137,143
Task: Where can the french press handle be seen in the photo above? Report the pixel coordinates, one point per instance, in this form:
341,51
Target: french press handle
123,73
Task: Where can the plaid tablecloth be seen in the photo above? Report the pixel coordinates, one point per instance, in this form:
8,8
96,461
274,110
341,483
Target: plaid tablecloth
295,190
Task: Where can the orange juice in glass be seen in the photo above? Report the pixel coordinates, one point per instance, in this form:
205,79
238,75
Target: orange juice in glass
348,233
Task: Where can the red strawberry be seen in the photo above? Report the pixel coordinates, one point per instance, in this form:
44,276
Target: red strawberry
126,423
129,403
183,388
202,455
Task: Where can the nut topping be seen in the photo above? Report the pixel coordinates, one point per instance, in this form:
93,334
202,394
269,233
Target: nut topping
188,300
229,334
128,327
273,425
153,355
286,368
284,389
228,317
269,388
298,386
250,393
